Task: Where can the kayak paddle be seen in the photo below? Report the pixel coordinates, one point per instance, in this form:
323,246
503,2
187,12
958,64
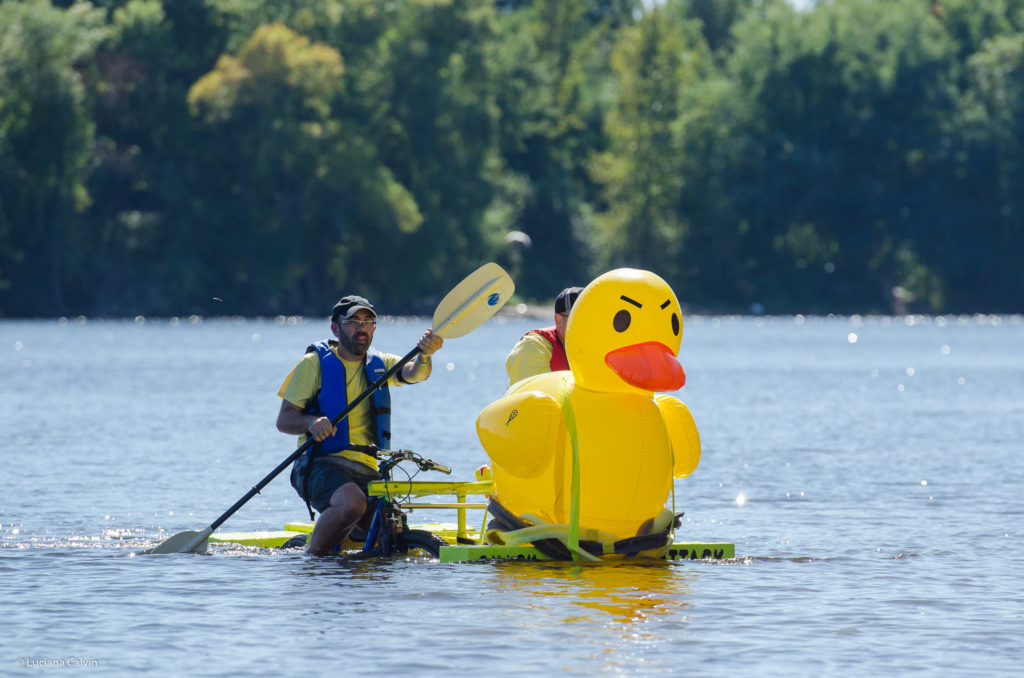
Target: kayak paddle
465,308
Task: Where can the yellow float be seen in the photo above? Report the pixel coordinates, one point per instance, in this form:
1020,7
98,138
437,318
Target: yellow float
589,454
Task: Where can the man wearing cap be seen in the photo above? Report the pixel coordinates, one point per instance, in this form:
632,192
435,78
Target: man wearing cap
543,350
332,476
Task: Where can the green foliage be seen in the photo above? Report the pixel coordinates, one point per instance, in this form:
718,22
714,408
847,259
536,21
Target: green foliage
717,18
263,156
433,121
850,108
655,63
46,140
146,215
298,185
553,86
986,239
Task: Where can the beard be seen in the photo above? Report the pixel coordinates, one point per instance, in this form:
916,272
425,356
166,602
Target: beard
350,345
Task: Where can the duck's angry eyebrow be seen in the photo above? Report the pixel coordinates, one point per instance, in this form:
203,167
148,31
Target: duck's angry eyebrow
630,301
667,302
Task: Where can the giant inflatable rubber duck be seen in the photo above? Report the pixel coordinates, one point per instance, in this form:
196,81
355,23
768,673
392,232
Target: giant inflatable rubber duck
622,340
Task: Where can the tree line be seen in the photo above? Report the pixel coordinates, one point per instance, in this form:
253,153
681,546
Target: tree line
255,157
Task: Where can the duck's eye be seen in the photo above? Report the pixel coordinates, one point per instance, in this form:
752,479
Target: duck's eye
622,320
675,324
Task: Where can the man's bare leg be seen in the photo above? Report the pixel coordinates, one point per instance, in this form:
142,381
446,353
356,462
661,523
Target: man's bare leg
348,503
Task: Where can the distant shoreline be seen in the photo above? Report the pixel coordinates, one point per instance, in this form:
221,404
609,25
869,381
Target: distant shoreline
533,313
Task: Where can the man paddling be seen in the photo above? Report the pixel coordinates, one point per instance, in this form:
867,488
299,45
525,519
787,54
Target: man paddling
333,475
543,350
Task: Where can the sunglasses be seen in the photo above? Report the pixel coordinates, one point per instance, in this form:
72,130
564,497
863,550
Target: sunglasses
358,323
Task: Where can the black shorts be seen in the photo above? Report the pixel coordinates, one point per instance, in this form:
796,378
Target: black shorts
327,475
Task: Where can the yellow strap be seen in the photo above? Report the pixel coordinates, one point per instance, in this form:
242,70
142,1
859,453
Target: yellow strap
535,533
673,486
573,542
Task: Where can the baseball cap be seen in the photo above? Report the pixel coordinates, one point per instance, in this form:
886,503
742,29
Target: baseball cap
346,306
566,298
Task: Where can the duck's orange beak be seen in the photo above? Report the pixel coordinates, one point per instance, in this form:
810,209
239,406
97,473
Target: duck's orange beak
650,366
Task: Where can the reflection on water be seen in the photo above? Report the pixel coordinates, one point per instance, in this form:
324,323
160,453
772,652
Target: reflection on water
622,593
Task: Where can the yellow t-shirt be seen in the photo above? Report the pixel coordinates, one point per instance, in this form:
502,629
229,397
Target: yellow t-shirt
529,357
303,382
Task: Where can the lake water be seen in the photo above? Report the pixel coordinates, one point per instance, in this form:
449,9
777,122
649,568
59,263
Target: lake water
869,471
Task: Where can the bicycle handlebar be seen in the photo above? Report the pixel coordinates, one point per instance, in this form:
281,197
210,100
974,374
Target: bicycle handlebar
434,466
392,458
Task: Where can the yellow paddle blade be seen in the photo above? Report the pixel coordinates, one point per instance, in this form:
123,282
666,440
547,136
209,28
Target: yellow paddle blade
473,301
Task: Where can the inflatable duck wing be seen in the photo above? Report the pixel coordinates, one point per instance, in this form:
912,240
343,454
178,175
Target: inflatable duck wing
621,340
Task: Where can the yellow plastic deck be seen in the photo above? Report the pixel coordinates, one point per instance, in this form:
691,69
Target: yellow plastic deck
268,539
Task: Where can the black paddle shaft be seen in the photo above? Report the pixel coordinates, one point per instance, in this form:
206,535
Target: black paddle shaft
306,445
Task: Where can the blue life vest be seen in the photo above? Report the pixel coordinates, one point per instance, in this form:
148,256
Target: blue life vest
333,398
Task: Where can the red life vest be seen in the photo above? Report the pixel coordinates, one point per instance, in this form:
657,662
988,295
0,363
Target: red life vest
559,361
